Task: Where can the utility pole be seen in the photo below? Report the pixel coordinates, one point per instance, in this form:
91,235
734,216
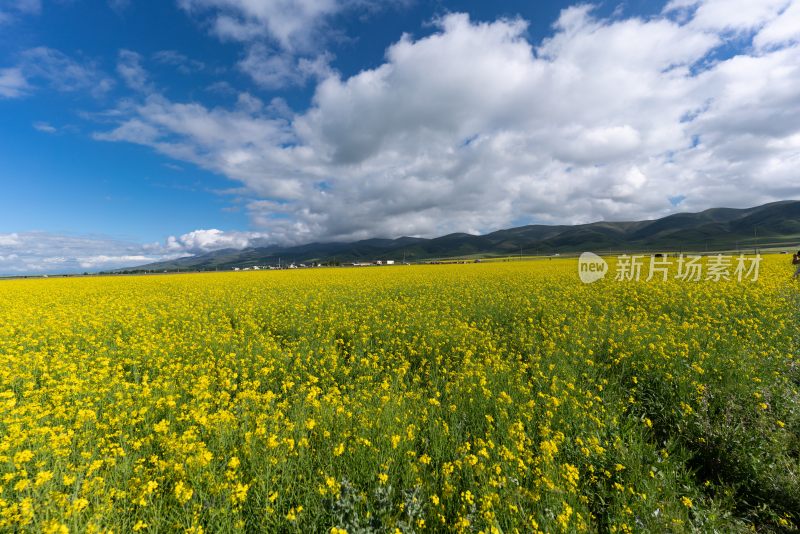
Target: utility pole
755,235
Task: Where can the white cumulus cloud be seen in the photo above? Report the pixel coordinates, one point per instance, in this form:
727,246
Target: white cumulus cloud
475,127
200,241
781,30
729,15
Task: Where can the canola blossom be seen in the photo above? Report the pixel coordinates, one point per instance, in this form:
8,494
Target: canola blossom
492,397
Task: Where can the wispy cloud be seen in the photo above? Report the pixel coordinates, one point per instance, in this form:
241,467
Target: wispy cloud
284,40
62,72
11,9
221,87
44,127
13,83
291,25
273,69
130,69
183,63
119,5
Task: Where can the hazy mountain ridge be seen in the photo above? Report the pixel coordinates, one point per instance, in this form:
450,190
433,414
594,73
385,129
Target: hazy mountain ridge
712,229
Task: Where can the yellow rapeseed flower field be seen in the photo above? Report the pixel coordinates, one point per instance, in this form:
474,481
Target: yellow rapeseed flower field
493,397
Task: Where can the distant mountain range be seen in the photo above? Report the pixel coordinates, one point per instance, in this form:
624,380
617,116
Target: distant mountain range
777,223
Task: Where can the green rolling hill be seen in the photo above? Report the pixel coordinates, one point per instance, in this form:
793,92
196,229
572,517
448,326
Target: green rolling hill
774,224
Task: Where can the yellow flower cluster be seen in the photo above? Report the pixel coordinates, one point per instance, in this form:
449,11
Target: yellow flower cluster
493,397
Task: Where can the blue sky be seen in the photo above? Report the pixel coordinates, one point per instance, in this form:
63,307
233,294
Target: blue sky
136,131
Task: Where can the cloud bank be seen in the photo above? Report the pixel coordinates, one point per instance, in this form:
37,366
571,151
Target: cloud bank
44,252
474,127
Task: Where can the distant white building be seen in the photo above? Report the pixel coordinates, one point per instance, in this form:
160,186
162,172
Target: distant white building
389,262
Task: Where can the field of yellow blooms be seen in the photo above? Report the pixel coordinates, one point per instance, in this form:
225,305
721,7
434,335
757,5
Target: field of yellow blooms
492,397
